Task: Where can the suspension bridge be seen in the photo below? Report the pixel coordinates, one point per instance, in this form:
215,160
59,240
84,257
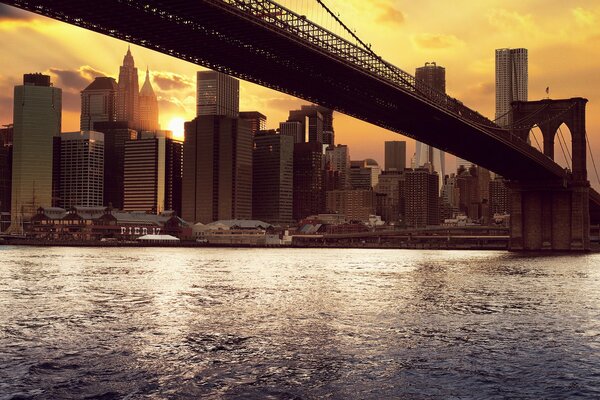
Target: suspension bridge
304,49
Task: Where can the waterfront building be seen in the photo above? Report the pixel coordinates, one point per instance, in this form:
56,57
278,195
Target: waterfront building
294,129
81,169
128,92
308,180
115,136
364,174
217,94
103,223
395,155
421,198
258,121
98,103
272,182
6,151
148,107
355,204
450,198
37,120
511,81
152,173
433,76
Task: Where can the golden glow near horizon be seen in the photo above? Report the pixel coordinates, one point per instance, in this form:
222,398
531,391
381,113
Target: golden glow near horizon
563,39
176,126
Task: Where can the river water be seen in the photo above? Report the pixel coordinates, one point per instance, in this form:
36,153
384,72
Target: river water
134,323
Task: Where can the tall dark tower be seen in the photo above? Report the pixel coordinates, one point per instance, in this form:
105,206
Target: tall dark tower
128,92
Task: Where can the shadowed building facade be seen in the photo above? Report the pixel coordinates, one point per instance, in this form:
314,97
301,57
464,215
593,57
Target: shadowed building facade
217,173
309,196
272,184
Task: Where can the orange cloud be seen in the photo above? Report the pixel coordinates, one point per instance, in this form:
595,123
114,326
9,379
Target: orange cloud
432,41
390,14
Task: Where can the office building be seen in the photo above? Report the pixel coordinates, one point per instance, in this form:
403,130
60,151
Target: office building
81,169
6,150
450,198
473,185
511,81
37,120
395,156
354,204
433,76
148,107
152,173
311,119
272,182
128,108
115,136
217,176
257,121
364,174
391,203
421,198
98,103
309,196
217,94
295,129
499,197
337,167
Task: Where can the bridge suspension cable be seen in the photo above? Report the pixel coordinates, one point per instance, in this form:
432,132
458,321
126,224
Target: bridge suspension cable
587,139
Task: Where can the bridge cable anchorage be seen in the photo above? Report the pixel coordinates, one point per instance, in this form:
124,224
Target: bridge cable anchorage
587,139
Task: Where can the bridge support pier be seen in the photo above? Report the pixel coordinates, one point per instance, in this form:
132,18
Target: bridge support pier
551,217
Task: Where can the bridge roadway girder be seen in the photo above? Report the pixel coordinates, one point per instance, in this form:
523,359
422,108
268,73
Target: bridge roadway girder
212,34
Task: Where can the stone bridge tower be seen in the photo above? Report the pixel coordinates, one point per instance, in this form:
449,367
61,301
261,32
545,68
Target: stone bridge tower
552,215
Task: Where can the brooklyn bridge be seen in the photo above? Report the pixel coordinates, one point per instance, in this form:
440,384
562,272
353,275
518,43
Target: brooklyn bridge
263,42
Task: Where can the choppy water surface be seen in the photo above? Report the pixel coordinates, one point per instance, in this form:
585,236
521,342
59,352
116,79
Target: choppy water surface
296,324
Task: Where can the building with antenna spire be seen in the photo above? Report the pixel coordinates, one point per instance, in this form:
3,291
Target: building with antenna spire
128,92
148,106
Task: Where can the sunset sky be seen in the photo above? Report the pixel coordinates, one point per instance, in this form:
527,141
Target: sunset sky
563,39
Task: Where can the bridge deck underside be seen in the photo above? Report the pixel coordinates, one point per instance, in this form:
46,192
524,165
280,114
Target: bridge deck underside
230,42
257,52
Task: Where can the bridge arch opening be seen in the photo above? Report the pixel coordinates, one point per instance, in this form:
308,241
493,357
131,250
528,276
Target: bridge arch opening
536,138
563,146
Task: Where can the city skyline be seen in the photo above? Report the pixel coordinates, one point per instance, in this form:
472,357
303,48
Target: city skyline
468,58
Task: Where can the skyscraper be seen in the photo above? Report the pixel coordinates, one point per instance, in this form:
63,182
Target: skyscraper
433,76
511,81
115,136
148,107
81,169
217,94
217,176
395,156
309,196
152,170
6,139
37,120
98,103
272,183
312,121
128,92
294,129
258,121
421,198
